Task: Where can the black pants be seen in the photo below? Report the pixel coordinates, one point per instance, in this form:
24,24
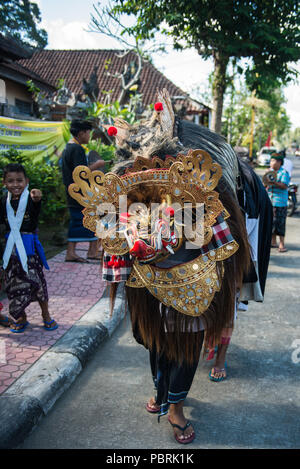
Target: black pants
172,381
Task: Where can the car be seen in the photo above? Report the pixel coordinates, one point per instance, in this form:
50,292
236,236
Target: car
297,153
264,155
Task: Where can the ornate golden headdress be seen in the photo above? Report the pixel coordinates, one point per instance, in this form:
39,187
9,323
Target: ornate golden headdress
192,178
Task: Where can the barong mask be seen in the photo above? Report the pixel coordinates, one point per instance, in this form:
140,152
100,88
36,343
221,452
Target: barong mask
179,186
149,233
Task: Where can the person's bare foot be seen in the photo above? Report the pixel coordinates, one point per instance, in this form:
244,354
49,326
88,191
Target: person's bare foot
176,417
93,251
218,372
49,323
20,324
75,259
97,256
151,406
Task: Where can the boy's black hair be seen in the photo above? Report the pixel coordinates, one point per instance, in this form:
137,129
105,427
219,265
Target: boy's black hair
77,126
13,168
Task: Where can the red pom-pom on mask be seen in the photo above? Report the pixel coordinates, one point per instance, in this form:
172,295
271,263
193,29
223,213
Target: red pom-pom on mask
112,261
112,131
158,107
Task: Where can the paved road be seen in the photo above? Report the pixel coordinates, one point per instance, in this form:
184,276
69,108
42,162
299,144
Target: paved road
256,407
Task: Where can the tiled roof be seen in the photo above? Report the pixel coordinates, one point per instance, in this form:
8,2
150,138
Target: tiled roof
74,65
11,49
20,74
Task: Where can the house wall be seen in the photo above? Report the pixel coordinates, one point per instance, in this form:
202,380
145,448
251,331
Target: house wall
15,100
16,90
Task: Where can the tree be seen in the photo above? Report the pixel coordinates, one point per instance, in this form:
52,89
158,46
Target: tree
269,116
104,22
273,118
266,31
293,138
19,18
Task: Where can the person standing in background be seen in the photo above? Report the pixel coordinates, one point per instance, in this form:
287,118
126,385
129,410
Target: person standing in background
287,163
278,193
75,155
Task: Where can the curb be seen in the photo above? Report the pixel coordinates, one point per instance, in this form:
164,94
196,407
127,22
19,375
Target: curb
32,396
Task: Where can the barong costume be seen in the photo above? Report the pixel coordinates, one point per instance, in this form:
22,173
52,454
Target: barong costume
175,295
24,257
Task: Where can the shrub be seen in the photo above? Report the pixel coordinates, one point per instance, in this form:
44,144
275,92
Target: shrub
45,176
106,152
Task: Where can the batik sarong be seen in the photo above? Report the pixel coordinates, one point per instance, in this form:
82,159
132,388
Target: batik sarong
77,232
22,288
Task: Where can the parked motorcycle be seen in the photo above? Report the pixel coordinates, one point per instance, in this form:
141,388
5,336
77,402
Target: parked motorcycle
292,200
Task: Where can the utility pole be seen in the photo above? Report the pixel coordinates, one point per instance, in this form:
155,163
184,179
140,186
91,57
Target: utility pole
252,131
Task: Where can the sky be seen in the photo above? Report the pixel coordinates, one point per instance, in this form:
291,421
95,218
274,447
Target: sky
66,22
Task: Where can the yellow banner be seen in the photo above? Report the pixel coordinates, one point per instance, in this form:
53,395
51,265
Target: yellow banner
37,139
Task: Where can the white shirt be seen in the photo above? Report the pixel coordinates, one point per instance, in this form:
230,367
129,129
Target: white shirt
288,166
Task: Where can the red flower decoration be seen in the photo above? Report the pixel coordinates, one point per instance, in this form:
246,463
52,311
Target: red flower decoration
158,107
112,131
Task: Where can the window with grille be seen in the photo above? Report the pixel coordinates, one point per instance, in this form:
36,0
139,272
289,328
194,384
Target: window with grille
23,107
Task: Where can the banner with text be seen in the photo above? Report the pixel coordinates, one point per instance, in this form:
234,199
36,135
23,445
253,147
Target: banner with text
37,139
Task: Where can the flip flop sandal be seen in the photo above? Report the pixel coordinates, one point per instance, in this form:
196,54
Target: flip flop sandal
79,260
150,409
282,250
47,324
20,329
218,370
183,441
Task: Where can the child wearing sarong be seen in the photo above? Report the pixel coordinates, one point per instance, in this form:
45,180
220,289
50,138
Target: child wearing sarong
4,320
24,257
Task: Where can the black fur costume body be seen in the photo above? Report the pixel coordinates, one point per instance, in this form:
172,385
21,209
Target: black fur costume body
150,321
175,339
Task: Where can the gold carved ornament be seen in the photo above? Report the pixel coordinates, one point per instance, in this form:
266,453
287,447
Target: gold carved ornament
192,178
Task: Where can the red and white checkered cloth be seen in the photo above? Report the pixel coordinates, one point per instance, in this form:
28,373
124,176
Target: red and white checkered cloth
116,268
221,236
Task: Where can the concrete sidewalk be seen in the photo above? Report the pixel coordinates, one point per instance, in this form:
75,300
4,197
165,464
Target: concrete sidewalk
37,366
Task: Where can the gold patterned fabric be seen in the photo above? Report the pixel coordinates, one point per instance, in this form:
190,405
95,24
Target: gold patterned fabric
189,287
